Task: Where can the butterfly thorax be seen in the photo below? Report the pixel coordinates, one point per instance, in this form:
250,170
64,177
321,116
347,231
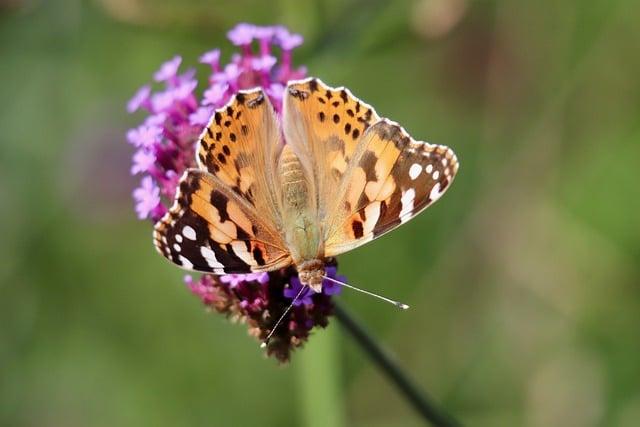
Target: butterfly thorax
298,213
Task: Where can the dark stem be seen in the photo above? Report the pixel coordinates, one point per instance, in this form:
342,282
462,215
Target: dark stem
420,401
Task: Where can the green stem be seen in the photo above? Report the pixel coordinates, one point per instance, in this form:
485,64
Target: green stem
319,375
419,400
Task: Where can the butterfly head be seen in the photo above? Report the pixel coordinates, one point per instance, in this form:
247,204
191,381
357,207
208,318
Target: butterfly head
311,273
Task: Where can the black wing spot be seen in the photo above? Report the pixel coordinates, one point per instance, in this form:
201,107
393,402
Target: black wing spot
220,201
257,255
358,230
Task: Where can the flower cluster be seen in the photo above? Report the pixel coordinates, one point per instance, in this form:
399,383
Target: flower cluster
260,298
165,146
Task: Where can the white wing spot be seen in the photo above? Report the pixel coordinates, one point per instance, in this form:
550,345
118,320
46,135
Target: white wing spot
210,257
414,171
428,169
179,238
185,262
444,161
436,175
189,232
435,192
407,204
177,247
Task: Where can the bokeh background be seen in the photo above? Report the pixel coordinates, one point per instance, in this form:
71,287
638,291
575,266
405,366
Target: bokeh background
523,280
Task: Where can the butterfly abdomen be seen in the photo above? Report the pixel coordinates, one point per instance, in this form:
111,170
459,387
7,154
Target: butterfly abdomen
298,212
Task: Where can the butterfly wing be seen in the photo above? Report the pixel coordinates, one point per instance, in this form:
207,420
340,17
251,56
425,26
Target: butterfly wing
226,215
210,228
370,175
391,179
240,147
324,126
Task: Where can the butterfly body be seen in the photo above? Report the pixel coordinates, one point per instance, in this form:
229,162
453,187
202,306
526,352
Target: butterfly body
302,233
325,177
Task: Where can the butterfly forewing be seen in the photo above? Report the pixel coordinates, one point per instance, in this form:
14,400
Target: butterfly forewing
240,146
324,127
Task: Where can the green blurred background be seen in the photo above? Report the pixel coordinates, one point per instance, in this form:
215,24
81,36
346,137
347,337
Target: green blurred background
523,279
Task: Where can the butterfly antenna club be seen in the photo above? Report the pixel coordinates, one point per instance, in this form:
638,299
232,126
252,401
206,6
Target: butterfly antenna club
385,299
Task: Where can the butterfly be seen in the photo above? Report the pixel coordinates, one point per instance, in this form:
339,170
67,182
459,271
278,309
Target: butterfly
329,177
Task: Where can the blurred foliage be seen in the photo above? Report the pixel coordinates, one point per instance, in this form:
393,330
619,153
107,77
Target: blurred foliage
523,280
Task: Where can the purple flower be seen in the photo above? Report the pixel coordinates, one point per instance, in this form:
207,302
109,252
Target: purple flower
287,40
168,70
140,99
143,160
264,63
215,94
147,198
201,116
329,287
242,34
264,33
212,58
294,289
185,89
144,136
232,280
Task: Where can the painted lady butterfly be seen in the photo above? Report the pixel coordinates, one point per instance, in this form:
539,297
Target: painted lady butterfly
344,177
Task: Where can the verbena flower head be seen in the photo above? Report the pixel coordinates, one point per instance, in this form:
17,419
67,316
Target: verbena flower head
176,112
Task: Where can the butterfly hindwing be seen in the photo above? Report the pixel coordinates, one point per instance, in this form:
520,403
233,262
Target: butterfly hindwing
392,178
210,228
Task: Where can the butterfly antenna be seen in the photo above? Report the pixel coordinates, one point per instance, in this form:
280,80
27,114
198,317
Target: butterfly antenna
390,301
275,327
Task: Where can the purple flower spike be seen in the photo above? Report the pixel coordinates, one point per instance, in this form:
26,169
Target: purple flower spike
242,34
140,99
168,70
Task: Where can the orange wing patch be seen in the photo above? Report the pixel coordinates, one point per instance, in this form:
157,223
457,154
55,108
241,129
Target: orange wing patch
240,145
324,127
392,180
